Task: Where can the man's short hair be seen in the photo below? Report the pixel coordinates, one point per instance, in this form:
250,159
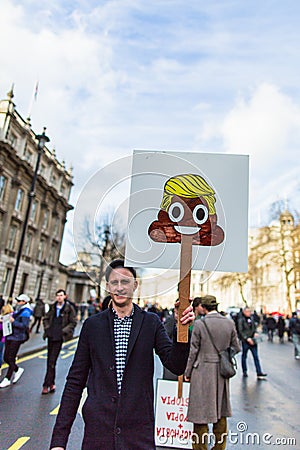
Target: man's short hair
60,290
196,302
115,265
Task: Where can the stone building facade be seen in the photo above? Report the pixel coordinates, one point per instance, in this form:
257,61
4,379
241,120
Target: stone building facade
273,279
39,268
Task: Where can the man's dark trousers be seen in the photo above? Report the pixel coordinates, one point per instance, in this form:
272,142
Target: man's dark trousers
54,348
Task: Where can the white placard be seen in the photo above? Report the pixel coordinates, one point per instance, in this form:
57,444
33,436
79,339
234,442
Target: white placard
7,325
171,426
224,181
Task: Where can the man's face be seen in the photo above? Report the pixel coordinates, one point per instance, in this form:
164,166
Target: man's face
247,312
60,298
199,311
21,303
121,286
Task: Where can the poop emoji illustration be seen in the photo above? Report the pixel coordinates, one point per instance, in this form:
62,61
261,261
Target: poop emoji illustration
187,208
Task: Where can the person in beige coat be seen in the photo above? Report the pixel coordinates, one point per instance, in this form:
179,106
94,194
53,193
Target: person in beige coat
209,400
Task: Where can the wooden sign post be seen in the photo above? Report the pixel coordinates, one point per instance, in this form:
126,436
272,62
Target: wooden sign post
184,284
184,292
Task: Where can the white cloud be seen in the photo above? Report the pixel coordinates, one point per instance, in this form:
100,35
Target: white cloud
118,75
266,126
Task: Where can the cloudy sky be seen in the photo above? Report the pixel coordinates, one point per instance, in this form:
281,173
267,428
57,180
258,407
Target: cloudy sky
200,76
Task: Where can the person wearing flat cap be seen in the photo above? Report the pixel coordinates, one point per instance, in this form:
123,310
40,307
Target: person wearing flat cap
209,400
20,328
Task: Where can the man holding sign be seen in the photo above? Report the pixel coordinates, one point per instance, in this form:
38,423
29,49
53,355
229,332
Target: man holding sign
115,359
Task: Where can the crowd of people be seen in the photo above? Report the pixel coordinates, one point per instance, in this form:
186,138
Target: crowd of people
124,360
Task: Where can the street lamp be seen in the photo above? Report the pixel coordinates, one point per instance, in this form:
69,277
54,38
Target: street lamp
43,264
42,140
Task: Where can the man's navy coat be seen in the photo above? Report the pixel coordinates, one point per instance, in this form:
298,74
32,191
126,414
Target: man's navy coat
112,421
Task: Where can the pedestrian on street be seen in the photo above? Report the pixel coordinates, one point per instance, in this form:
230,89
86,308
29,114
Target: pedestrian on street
59,324
271,327
6,309
287,328
281,328
248,336
38,314
209,400
295,331
115,359
20,320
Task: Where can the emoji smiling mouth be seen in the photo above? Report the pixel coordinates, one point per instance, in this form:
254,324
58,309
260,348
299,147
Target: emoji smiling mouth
187,230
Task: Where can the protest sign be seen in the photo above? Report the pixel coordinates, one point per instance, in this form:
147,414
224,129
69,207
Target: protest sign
7,325
171,426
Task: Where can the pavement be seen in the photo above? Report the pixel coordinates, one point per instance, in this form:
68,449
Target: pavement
36,342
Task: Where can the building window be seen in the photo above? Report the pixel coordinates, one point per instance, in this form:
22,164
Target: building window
42,170
52,257
6,281
41,247
28,243
46,219
56,227
12,237
24,281
33,210
13,140
28,155
3,181
19,200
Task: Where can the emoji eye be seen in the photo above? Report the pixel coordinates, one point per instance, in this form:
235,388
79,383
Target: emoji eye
200,214
176,212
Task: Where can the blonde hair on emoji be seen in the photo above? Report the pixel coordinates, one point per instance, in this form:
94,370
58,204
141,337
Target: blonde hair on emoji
188,186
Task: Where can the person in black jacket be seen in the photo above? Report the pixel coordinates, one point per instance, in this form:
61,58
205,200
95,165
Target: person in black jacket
59,324
271,327
38,314
248,335
114,358
295,331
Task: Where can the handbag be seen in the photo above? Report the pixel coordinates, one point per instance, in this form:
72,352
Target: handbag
227,360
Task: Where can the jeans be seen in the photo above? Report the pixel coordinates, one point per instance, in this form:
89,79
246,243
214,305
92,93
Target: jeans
254,350
10,354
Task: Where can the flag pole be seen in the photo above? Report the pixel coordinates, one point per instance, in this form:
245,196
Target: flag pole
33,99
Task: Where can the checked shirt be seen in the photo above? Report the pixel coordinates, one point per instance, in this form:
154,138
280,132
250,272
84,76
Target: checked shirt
122,328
